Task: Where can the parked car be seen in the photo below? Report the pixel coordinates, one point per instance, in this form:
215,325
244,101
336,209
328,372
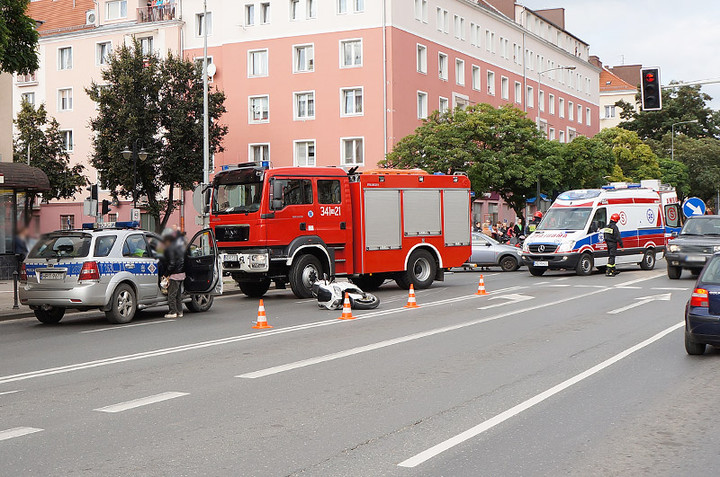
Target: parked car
698,240
702,312
488,252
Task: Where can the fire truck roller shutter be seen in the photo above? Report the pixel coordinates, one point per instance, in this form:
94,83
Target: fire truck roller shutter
421,212
456,217
382,220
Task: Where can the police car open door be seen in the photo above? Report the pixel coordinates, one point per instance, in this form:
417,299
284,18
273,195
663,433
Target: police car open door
201,264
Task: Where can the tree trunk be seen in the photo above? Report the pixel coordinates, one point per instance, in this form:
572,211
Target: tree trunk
169,208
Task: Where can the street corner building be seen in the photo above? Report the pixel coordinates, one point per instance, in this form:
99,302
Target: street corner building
322,83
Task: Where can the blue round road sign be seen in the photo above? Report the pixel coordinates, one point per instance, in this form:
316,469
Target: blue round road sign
693,206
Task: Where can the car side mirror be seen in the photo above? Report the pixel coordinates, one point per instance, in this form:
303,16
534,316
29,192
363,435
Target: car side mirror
674,235
277,191
487,244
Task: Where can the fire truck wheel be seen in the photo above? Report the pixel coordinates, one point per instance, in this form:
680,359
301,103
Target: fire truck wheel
368,282
305,271
255,289
421,271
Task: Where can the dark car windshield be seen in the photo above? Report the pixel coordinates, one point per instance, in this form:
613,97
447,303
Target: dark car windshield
571,218
702,226
237,198
711,274
61,246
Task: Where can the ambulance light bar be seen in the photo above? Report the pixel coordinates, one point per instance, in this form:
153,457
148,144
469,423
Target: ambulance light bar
621,185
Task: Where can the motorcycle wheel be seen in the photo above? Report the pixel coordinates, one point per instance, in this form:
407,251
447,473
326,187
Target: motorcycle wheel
369,302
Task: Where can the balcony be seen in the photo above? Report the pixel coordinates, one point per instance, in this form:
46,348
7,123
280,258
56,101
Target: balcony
26,80
157,13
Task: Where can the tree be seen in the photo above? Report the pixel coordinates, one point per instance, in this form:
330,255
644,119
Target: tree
41,135
635,158
700,156
159,104
18,38
586,163
677,174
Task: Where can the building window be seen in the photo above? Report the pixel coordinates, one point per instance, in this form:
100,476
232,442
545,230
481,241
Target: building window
265,13
421,10
460,101
358,6
541,100
551,134
551,103
504,88
305,105
459,24
352,151
571,111
443,66
352,101
518,92
444,105
305,153
422,105
111,218
258,63
490,41
65,58
250,14
259,152
200,24
116,9
579,113
609,112
259,109
102,53
530,97
28,97
561,107
587,116
303,58
443,20
491,83
561,136
294,9
422,59
67,140
65,99
460,72
352,53
311,7
146,45
342,6
67,222
476,78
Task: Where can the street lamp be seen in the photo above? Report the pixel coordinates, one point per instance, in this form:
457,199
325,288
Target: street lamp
142,154
540,73
672,136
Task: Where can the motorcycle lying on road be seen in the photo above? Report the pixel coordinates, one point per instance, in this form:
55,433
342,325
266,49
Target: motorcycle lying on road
331,294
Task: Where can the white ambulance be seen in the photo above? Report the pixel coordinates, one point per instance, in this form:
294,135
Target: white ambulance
570,235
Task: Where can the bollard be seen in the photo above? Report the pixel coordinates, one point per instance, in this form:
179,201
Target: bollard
15,291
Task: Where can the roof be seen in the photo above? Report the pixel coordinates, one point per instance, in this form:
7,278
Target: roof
60,16
21,176
612,82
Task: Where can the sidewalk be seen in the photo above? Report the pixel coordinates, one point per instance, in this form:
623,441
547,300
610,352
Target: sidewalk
6,300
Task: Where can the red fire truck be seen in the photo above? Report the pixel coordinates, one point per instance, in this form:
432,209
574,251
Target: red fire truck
296,224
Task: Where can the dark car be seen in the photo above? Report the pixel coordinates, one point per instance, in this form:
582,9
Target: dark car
702,313
694,246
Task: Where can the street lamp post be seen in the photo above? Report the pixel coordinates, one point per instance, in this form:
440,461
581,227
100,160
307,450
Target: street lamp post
672,136
135,154
206,117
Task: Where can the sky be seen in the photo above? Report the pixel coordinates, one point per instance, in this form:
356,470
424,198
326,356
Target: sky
681,37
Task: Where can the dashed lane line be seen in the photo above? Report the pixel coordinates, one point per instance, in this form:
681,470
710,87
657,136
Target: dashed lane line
135,403
122,327
5,393
18,432
438,449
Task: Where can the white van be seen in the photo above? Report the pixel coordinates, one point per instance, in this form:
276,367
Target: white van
570,235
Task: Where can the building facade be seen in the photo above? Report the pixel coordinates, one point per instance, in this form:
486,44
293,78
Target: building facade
329,82
614,88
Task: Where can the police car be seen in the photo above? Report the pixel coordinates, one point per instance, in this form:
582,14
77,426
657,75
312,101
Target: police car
115,268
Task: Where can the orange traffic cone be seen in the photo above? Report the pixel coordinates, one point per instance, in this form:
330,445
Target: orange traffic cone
481,286
261,322
411,298
347,309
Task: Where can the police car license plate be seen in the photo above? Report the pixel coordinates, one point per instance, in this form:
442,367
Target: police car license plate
51,275
541,263
695,258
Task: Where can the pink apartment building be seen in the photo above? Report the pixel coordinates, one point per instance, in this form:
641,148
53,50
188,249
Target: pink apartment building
339,82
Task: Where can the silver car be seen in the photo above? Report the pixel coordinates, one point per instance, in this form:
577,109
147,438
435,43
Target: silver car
116,270
488,252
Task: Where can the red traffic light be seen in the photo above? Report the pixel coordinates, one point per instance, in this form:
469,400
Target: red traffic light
650,77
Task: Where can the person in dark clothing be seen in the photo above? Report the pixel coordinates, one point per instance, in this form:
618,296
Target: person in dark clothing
175,271
614,241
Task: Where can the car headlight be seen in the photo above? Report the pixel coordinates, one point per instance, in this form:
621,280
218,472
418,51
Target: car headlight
526,247
258,260
676,248
565,247
716,248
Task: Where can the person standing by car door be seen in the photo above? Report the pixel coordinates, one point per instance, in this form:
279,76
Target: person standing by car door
613,240
175,271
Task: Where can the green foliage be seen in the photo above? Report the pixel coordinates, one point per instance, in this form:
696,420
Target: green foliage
159,103
18,38
636,159
586,164
677,174
47,151
700,156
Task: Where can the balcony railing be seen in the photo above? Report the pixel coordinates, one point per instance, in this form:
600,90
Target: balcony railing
27,79
156,13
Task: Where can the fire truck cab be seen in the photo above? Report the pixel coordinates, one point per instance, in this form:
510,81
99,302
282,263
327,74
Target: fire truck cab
295,224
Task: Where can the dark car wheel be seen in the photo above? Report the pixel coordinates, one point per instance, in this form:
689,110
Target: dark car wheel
509,264
692,347
674,272
537,271
200,303
49,315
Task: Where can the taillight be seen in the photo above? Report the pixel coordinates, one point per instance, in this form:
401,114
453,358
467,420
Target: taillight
89,271
23,273
700,298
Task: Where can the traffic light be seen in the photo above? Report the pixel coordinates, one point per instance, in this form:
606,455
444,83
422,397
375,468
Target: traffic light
93,192
105,207
650,91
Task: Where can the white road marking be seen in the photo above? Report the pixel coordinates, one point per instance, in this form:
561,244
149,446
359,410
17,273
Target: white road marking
627,288
542,283
525,405
643,300
18,432
561,285
641,279
122,327
671,289
590,286
403,339
5,393
562,279
513,298
124,406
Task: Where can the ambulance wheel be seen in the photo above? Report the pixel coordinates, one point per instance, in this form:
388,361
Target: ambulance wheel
49,315
200,303
537,271
368,282
648,261
122,305
585,265
421,271
674,272
305,271
255,289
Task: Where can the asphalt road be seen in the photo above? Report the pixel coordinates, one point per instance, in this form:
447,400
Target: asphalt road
553,375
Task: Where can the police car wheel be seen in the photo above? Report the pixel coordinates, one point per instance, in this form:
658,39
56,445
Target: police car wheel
122,305
200,303
49,315
648,261
585,265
